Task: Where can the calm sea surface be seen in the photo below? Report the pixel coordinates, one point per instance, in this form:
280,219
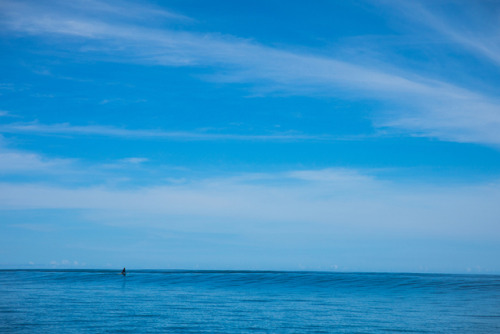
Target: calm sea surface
246,302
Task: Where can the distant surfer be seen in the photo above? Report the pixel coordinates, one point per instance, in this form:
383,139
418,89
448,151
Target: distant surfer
124,272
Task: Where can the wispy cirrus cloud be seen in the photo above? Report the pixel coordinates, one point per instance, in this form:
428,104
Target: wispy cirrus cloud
115,10
463,119
109,131
422,105
240,59
473,26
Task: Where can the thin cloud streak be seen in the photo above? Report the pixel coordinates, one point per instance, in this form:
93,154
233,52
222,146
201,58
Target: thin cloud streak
108,131
479,36
461,120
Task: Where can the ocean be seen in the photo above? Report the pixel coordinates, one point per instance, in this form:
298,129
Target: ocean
176,301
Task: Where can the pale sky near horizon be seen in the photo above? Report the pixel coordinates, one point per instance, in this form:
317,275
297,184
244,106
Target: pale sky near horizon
321,135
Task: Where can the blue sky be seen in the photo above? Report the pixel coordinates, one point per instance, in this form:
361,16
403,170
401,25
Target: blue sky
325,135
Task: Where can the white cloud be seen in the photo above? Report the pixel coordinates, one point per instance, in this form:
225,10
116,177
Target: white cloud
462,119
9,114
15,161
473,26
134,160
96,130
125,9
63,170
424,106
310,202
244,59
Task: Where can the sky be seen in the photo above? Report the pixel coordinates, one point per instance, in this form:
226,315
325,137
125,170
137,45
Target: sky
262,135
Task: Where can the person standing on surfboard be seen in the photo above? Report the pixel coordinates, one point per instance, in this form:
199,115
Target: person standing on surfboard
124,272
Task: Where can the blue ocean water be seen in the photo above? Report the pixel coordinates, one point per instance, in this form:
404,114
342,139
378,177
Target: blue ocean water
92,301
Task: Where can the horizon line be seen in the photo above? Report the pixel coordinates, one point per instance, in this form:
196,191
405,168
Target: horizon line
236,271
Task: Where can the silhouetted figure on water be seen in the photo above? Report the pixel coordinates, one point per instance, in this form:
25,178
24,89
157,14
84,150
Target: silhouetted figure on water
124,272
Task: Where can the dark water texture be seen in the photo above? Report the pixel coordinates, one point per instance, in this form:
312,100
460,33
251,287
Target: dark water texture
246,302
